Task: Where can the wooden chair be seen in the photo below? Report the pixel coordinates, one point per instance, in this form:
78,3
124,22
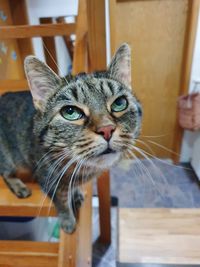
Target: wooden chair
72,250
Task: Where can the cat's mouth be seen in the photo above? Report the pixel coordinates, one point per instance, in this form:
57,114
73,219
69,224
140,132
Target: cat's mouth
105,159
107,151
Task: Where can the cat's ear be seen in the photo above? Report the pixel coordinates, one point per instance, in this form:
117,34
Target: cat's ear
43,82
120,66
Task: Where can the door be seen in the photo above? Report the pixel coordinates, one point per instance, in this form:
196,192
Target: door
159,32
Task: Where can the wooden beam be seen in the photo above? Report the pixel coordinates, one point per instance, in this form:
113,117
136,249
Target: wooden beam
112,12
80,59
84,245
67,39
28,31
103,187
20,17
35,205
13,85
75,250
28,253
97,61
96,34
49,47
190,35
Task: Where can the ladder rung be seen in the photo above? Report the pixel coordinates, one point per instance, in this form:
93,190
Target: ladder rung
27,253
13,85
28,31
36,205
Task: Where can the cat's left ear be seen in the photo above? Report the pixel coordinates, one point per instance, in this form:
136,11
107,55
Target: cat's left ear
43,82
120,66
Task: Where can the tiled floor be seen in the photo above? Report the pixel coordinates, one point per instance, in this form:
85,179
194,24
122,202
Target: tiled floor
156,183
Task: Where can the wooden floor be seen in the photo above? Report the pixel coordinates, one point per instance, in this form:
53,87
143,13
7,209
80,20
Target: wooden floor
159,236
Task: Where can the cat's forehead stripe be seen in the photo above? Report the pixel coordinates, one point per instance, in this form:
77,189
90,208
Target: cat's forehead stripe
95,91
74,93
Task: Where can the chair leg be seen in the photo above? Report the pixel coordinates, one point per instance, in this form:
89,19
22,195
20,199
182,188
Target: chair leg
75,250
103,188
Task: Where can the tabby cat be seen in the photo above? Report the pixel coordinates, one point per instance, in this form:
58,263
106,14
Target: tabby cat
68,131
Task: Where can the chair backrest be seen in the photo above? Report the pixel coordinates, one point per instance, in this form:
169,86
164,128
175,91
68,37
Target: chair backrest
15,42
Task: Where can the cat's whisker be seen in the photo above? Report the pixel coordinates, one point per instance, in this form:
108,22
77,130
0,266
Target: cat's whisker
53,183
132,146
154,136
60,157
146,145
143,167
163,147
60,176
74,182
137,169
151,177
51,56
70,186
55,166
159,159
165,162
43,159
142,152
46,190
139,163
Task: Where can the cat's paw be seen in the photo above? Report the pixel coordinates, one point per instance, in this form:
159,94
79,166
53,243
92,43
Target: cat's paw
23,192
18,187
78,199
68,224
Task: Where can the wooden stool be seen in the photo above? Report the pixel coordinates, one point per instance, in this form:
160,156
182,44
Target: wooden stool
35,254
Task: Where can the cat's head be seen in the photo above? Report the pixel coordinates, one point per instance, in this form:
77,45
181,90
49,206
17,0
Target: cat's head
93,117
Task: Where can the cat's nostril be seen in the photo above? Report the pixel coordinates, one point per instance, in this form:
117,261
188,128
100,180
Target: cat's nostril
106,131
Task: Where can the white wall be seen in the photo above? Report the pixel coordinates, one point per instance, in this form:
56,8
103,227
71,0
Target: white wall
52,8
190,137
39,8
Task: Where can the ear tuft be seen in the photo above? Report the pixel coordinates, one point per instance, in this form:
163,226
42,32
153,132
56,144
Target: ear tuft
43,82
120,66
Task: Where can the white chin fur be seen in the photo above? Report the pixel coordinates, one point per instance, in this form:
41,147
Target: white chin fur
104,161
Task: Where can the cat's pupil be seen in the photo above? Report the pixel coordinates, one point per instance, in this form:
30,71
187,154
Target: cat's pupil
70,110
120,101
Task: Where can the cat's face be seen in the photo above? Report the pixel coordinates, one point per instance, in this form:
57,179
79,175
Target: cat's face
93,118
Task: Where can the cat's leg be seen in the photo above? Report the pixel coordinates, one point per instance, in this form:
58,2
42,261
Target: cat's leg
8,170
65,212
67,208
17,186
77,199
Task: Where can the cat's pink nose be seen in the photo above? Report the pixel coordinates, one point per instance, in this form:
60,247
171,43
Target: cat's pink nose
106,131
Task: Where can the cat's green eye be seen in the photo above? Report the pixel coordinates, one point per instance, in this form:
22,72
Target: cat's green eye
119,104
71,113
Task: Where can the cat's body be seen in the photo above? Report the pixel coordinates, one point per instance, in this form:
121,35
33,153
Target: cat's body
72,130
16,131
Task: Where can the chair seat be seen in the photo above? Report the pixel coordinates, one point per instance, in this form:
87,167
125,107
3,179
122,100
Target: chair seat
35,205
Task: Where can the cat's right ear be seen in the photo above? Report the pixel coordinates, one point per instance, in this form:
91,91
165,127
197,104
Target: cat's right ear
42,81
120,66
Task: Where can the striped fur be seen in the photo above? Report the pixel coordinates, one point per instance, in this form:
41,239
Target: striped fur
64,153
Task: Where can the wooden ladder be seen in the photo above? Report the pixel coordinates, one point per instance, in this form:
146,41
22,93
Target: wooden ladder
89,54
